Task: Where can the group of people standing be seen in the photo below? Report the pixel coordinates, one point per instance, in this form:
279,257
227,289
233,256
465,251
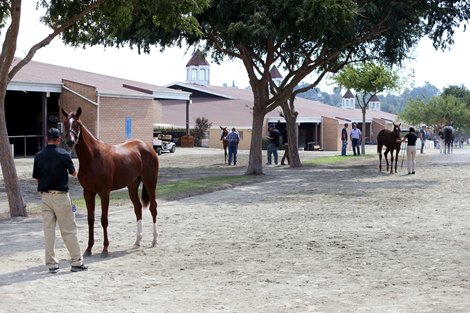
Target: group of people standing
274,137
355,135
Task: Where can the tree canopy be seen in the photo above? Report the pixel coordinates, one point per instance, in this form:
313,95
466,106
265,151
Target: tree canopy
300,36
80,22
367,79
460,92
452,106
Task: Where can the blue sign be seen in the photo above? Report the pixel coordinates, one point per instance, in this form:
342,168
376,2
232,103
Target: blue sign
128,128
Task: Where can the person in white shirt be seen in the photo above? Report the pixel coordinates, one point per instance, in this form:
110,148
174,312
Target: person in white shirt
355,136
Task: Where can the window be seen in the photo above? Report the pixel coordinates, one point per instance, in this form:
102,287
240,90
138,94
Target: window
202,75
194,74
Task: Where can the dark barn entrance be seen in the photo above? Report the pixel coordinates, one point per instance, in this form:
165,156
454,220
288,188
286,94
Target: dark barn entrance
28,116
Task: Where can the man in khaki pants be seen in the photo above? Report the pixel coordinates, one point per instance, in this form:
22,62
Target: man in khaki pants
51,168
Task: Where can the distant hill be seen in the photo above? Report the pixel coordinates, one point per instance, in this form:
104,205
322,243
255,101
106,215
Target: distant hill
389,103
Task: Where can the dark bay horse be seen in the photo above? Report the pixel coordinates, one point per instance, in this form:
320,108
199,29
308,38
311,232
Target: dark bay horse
223,137
448,139
105,167
389,139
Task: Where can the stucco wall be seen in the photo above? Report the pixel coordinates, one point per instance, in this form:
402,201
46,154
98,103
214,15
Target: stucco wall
245,138
377,126
331,134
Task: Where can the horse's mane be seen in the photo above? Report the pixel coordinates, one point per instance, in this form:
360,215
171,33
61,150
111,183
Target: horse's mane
83,127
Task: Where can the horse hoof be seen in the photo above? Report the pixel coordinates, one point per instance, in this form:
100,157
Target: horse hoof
104,254
136,246
87,253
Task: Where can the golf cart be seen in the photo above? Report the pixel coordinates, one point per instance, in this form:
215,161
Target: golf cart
163,143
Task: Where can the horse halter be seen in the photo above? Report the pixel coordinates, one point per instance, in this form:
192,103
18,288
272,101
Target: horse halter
75,133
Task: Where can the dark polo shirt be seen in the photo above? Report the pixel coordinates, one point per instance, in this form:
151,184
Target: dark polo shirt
52,166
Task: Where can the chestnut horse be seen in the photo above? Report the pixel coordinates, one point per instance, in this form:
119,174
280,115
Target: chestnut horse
105,167
389,139
223,137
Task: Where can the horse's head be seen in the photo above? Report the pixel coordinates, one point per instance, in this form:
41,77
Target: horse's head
396,129
224,132
72,127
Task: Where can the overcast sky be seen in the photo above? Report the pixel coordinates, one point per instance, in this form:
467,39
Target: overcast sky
441,69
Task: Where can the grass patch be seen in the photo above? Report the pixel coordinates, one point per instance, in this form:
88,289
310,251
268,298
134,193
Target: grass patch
179,189
336,159
166,191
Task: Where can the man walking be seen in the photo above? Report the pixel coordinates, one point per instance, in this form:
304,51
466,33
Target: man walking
233,139
51,168
422,137
356,135
286,148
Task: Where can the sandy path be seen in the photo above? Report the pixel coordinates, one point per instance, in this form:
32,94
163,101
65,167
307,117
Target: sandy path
316,239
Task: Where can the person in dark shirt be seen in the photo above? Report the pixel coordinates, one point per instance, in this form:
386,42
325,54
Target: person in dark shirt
286,148
422,136
440,136
344,139
273,145
51,168
411,138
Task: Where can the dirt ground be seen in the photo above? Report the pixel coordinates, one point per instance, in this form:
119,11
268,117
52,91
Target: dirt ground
341,238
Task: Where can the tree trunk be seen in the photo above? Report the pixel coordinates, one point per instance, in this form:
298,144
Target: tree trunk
10,177
364,126
291,122
255,161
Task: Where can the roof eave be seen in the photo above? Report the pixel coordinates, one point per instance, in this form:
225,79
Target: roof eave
34,87
194,87
180,95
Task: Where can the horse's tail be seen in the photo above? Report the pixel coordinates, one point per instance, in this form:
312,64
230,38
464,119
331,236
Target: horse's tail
145,197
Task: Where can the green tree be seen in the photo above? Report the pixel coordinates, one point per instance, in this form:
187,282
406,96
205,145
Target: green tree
301,36
202,124
367,79
437,112
460,92
72,19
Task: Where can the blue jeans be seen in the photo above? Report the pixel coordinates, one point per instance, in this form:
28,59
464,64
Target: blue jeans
355,147
343,147
272,150
232,152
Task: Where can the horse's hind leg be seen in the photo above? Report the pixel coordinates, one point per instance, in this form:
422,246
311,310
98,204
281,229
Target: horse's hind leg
134,196
150,185
380,161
